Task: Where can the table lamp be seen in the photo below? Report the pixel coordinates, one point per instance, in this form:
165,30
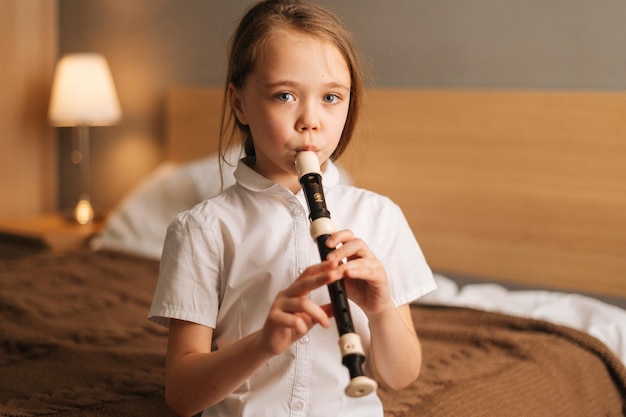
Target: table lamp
83,95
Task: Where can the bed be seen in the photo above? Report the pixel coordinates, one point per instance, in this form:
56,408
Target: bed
516,197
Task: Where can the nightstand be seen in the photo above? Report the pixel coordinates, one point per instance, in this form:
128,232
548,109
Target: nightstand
52,231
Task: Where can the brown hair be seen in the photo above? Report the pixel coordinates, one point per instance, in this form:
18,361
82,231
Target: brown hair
261,21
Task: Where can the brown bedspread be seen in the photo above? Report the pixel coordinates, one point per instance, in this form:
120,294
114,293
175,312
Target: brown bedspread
483,364
74,341
74,338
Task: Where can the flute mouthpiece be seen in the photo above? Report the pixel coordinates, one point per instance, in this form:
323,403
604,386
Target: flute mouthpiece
307,163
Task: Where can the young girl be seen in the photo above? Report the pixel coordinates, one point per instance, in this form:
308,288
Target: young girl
241,285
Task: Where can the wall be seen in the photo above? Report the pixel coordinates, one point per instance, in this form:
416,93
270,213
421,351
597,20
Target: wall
150,45
154,44
28,159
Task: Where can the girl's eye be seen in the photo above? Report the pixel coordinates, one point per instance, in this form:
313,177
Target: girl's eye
284,97
331,98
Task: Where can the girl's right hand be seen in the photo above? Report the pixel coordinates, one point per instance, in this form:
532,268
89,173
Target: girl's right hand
293,314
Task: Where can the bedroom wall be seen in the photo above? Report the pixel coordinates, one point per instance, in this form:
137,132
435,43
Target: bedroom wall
28,158
154,44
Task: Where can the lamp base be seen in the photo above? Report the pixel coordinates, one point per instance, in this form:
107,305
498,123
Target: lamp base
83,212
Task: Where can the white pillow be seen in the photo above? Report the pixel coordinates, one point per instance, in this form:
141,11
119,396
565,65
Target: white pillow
139,223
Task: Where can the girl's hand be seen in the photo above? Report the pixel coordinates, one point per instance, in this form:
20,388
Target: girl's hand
367,283
293,314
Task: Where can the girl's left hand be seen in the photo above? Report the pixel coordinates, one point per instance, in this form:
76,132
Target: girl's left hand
366,282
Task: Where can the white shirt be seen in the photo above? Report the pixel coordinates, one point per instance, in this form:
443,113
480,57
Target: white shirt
225,260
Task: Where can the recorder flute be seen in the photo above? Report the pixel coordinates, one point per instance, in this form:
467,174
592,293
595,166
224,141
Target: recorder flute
353,355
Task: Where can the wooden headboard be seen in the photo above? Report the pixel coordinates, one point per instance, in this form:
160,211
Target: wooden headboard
520,186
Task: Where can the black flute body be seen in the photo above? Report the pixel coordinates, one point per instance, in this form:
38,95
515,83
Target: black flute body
353,356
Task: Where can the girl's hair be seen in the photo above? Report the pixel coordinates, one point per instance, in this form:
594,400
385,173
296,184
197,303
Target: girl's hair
258,24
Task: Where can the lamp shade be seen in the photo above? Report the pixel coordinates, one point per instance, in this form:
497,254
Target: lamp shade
83,92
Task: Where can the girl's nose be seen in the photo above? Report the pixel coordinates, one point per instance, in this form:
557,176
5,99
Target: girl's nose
309,119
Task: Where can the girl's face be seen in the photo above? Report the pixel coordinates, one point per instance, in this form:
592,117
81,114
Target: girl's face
296,98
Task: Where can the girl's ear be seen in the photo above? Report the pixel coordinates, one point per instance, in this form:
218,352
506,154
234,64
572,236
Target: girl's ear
236,103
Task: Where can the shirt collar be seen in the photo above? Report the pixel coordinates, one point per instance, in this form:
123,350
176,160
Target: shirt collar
252,180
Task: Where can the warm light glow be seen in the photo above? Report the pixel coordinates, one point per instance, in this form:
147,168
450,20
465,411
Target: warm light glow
83,95
83,213
83,92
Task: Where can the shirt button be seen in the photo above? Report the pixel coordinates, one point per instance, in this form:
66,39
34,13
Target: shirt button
296,210
298,405
304,340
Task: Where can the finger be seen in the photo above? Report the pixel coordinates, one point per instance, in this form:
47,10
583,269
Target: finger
304,308
341,236
296,324
362,268
328,309
312,278
353,249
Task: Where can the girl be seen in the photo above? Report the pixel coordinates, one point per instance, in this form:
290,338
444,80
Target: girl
241,286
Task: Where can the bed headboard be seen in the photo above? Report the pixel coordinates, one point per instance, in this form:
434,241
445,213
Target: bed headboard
519,186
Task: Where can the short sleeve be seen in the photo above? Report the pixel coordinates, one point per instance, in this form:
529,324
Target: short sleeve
408,273
188,286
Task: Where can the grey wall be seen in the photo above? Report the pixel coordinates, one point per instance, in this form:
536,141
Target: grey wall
496,43
154,44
